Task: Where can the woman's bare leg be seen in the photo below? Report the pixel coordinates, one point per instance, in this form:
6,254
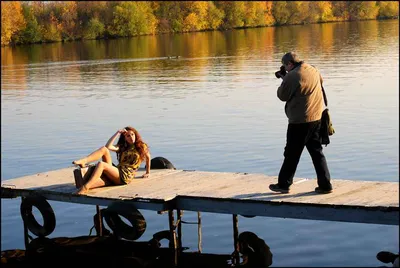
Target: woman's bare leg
110,175
102,153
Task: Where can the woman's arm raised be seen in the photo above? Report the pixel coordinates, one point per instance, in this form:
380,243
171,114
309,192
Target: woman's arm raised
109,144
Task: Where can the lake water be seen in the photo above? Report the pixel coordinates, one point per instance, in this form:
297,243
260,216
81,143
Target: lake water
213,109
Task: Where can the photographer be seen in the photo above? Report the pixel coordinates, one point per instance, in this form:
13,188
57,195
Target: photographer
301,89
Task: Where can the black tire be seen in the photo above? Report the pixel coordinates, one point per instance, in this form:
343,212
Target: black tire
160,162
49,218
113,214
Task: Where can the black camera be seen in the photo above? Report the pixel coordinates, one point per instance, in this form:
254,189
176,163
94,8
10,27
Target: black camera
281,73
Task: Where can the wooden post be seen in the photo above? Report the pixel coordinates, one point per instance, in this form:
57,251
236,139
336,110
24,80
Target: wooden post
179,214
199,231
172,242
26,234
99,221
235,237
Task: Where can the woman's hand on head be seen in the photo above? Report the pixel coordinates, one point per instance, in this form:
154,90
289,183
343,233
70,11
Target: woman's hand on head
122,131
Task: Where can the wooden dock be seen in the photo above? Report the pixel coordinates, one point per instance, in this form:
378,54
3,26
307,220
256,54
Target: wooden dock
229,193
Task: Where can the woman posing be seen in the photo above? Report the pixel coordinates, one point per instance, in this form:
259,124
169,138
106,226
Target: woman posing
131,151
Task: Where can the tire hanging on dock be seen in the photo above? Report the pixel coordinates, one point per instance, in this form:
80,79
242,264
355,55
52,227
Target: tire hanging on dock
49,218
113,214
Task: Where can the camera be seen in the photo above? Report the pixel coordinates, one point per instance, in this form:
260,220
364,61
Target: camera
281,73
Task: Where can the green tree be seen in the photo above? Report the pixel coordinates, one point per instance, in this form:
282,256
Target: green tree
51,31
133,18
95,28
32,31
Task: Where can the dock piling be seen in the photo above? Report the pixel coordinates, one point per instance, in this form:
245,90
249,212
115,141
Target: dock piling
99,221
179,214
199,242
235,237
172,242
26,234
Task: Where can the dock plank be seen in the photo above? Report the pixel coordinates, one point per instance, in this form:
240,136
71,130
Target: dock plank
224,192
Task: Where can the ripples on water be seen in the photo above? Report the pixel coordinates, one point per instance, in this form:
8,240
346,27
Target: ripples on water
214,109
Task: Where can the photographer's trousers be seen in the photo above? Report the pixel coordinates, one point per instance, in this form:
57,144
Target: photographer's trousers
298,136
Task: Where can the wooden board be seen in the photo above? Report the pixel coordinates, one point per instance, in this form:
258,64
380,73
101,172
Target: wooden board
223,192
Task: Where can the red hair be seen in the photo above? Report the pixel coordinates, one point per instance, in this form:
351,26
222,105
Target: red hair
140,146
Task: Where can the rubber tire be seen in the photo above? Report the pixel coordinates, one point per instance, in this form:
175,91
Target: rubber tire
49,218
160,162
120,228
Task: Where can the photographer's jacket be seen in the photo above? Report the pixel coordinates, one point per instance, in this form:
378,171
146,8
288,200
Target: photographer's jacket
302,91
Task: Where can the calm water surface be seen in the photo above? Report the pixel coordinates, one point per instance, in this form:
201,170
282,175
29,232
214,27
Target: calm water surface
213,109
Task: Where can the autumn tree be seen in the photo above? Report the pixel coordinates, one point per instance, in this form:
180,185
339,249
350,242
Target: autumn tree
234,13
52,29
340,10
32,32
93,16
12,20
280,12
363,10
50,21
215,16
388,9
255,14
133,18
320,11
299,12
194,15
68,21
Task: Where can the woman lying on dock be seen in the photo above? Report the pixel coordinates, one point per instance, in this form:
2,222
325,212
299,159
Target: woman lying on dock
131,151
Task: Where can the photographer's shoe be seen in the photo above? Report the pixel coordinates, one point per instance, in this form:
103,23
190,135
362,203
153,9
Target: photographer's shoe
277,188
319,190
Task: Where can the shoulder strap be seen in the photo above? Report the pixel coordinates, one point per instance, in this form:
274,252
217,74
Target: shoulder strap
323,94
325,99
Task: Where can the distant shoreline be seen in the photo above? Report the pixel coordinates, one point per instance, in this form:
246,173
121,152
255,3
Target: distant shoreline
174,33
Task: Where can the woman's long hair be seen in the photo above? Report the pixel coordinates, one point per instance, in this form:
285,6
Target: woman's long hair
140,146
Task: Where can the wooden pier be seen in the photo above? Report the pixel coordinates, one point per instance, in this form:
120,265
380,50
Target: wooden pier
222,192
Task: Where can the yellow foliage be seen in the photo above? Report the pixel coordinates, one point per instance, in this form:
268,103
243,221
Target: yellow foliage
389,9
190,23
12,20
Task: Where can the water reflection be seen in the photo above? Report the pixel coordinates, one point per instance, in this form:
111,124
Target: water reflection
212,109
254,252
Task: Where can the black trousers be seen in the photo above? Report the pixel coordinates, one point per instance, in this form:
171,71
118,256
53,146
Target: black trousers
298,136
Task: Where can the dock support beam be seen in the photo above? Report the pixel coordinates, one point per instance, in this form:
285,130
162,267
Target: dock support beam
235,238
199,231
172,242
99,221
179,214
26,234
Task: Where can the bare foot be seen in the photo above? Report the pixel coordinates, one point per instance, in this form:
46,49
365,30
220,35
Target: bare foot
82,190
80,163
